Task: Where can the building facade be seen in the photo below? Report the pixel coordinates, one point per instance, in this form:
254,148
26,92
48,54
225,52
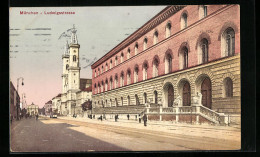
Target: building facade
75,90
183,57
14,107
48,108
32,109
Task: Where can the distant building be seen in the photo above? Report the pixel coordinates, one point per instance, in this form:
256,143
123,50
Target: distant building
48,108
32,109
14,101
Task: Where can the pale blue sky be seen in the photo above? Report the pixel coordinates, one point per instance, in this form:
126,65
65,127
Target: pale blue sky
36,54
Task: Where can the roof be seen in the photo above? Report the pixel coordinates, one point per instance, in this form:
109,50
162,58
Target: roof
49,102
152,23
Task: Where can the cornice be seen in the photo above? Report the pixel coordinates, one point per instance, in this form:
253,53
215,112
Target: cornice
151,24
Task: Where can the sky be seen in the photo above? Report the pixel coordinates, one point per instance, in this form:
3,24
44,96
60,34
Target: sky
37,43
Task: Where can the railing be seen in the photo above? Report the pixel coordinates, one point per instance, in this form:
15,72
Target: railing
211,114
187,109
154,110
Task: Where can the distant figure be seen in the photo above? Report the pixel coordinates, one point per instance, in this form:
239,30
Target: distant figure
135,117
145,119
37,116
128,116
115,118
139,118
93,116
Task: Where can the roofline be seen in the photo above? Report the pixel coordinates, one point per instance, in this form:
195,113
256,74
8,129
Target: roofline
113,51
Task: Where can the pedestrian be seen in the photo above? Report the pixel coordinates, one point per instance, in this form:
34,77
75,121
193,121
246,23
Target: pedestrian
36,116
145,119
139,118
128,116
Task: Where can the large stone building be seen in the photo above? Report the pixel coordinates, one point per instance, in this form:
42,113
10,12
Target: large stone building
182,65
75,90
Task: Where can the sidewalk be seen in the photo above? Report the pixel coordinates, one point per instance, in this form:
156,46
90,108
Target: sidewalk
220,132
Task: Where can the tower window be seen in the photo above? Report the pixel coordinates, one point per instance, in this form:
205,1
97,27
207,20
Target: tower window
74,58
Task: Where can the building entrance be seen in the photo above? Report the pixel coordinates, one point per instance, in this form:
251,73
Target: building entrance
206,93
186,94
170,95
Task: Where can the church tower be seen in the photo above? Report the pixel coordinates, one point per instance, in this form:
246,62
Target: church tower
65,60
74,69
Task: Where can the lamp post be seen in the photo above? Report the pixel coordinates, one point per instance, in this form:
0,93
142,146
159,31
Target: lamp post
17,105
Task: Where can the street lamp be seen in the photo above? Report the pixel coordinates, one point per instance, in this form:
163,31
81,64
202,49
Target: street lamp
17,106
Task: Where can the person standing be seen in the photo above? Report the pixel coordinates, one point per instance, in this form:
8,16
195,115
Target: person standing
128,116
145,119
139,118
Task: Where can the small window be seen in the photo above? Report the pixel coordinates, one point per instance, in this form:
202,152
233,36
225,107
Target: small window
128,53
204,50
228,87
155,37
67,66
145,44
168,30
184,21
74,58
136,48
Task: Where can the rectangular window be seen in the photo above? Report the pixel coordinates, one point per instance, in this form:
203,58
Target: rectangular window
205,11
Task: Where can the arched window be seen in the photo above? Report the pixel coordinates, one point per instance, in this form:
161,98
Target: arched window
145,68
203,11
184,58
136,48
145,44
155,97
136,70
95,73
128,100
110,64
95,86
116,61
98,71
229,42
116,102
137,100
155,38
184,21
128,76
74,58
122,101
116,81
106,83
168,30
145,98
98,87
102,69
122,79
168,63
204,50
67,66
155,67
111,83
228,87
128,53
106,67
102,86
122,57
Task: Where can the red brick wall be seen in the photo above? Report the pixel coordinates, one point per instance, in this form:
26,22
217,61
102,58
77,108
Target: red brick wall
213,26
168,117
153,117
187,118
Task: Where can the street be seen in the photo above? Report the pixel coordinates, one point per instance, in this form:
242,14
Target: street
67,135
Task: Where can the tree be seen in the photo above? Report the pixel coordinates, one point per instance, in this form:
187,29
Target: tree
86,105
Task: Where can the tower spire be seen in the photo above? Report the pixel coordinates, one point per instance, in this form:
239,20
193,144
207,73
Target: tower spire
74,39
66,48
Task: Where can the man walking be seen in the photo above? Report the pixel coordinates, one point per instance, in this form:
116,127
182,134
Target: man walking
145,119
128,116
